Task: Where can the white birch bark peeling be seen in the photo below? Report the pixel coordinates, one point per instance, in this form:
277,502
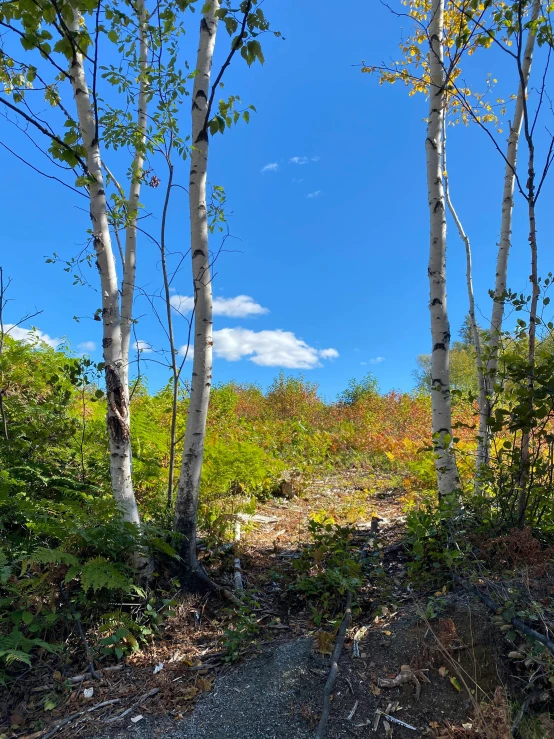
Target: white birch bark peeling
186,505
118,409
445,463
497,315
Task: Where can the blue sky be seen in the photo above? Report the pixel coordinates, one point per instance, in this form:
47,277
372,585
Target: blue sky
330,241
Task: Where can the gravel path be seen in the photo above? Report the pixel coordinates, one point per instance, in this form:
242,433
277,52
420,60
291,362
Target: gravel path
260,699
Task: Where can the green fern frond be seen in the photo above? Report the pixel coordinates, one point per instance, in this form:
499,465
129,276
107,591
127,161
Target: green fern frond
98,573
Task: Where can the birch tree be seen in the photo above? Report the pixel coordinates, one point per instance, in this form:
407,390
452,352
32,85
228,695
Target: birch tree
447,473
502,259
82,143
117,394
252,23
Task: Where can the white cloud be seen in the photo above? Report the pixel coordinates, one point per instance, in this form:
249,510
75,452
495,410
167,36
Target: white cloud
303,160
297,179
271,167
30,336
239,307
87,346
328,354
268,348
182,303
315,194
143,346
189,354
377,360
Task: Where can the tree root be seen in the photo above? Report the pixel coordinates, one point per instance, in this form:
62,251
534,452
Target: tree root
333,672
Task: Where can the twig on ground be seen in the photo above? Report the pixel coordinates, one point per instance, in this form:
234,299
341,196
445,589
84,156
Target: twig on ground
333,672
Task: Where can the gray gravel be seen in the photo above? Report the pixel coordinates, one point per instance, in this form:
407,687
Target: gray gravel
260,699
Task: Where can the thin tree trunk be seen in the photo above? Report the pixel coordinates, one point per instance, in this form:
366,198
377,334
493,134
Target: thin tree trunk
445,463
189,480
497,316
471,299
525,460
171,336
129,267
118,409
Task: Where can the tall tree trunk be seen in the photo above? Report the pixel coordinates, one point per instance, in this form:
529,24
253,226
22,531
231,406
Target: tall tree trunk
445,463
118,408
186,505
170,333
497,316
470,294
525,460
129,267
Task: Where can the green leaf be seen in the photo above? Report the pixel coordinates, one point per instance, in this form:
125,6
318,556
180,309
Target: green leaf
455,682
27,617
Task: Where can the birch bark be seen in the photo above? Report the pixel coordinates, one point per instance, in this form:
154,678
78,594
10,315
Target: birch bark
445,463
129,267
471,298
186,505
118,409
497,315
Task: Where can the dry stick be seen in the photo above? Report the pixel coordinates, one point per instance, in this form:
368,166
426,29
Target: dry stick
73,716
333,672
140,700
517,623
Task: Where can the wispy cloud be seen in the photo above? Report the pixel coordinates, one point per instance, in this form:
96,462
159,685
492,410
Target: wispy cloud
376,360
30,335
87,347
239,307
143,346
270,167
314,194
303,160
267,348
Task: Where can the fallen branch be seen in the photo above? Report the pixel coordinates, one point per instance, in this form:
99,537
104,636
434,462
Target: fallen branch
140,700
79,678
517,623
333,672
50,732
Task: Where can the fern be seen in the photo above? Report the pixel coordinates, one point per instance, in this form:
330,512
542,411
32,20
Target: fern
45,556
98,573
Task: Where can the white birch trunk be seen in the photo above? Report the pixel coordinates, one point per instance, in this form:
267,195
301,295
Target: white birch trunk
445,463
186,504
118,411
129,267
497,315
470,295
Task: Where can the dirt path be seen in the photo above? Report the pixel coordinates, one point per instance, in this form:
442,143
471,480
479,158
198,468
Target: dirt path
276,693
